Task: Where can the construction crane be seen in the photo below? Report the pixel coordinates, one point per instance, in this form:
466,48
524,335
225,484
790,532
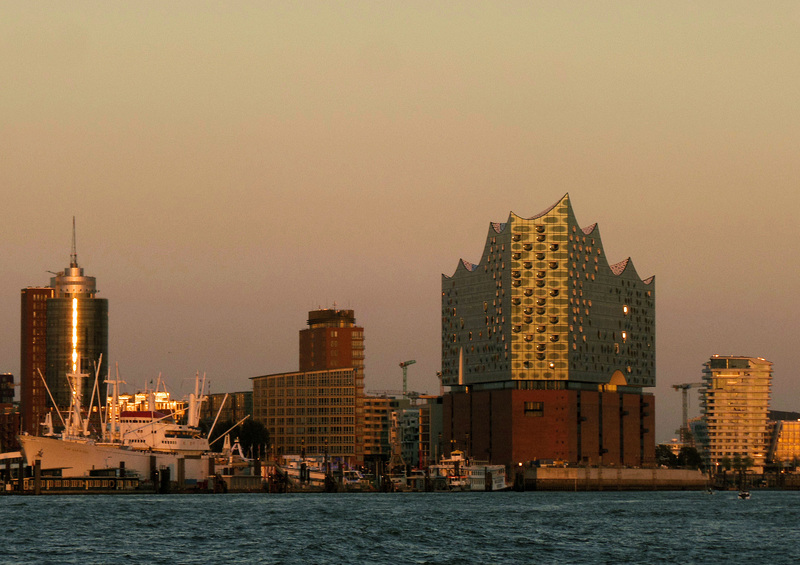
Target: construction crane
684,388
404,365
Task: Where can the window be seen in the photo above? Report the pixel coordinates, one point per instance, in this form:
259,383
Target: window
535,409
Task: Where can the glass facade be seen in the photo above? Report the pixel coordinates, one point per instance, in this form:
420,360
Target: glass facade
92,341
545,305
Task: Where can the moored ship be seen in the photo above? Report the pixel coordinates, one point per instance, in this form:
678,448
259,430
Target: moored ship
141,442
457,472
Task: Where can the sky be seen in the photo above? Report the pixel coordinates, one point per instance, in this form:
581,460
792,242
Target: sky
232,166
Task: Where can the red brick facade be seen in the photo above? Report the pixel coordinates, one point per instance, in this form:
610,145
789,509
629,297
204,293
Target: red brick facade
578,427
34,402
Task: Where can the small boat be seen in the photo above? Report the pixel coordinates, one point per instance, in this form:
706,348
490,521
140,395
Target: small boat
303,470
744,495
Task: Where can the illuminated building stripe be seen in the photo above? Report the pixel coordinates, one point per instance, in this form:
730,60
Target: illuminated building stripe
74,334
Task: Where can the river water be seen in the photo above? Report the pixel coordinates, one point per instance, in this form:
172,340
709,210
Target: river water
531,527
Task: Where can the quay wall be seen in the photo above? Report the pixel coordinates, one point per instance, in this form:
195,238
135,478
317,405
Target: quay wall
609,478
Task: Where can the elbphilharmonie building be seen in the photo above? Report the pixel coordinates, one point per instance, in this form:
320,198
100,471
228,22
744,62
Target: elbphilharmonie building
547,347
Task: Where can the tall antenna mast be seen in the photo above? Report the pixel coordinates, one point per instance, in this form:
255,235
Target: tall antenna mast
73,258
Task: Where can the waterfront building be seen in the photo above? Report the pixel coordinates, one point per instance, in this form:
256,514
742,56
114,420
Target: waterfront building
6,388
785,445
34,401
237,406
61,325
9,427
425,443
547,348
314,412
377,411
320,409
77,332
9,414
409,420
735,404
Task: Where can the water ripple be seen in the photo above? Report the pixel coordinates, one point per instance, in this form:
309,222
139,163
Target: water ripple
432,528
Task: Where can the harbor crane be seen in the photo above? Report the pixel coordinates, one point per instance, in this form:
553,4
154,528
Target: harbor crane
684,388
404,365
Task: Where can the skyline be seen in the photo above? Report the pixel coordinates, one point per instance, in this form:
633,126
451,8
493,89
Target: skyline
233,168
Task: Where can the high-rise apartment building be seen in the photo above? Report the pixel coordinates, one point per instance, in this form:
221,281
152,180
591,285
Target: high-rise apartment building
547,347
735,409
34,401
320,409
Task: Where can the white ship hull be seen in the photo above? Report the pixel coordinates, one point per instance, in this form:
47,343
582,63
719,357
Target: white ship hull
76,459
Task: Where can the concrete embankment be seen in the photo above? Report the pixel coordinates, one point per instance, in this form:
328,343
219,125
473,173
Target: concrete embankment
609,478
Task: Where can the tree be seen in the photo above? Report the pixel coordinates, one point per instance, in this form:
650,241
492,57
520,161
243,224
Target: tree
689,458
665,457
253,435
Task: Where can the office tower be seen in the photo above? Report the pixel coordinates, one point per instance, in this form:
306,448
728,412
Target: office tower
735,409
34,401
318,410
331,340
546,347
77,331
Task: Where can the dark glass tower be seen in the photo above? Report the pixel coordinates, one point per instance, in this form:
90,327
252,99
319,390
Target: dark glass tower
77,332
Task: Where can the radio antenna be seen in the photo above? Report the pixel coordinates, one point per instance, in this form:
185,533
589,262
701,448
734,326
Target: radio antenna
73,258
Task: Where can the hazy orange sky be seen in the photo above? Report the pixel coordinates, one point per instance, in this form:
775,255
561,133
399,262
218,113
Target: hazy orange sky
232,166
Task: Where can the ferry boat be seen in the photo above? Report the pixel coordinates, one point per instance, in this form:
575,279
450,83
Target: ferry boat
487,477
139,441
459,473
452,471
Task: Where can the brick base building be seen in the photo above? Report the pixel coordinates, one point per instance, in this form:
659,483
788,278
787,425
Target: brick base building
575,426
